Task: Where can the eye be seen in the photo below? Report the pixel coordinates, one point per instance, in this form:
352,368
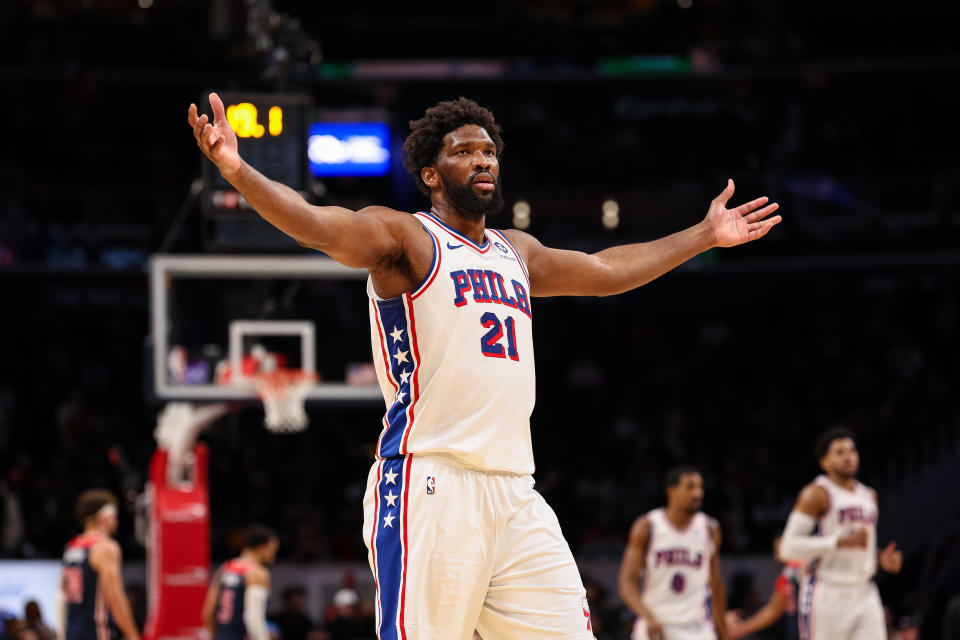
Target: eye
462,152
491,152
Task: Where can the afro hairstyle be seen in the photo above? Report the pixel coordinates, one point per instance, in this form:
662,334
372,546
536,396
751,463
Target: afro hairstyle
423,145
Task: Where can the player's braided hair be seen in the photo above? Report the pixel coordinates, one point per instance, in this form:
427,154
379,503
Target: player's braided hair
422,146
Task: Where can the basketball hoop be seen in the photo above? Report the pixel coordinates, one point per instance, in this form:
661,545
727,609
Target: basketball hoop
284,393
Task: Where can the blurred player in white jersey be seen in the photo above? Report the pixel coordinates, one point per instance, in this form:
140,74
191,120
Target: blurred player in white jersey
676,552
458,538
833,528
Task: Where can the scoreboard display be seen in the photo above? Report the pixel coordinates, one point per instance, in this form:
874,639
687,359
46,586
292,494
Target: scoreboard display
272,138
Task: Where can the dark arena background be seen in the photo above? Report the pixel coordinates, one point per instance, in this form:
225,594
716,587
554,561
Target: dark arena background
622,120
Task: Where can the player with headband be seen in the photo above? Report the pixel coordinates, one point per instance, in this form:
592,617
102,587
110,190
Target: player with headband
92,594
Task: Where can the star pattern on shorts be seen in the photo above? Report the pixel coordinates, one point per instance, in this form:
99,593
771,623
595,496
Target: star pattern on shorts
404,376
401,395
388,520
396,334
391,499
391,477
401,356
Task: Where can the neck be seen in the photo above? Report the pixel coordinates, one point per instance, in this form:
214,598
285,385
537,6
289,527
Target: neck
470,227
843,481
95,528
249,555
680,518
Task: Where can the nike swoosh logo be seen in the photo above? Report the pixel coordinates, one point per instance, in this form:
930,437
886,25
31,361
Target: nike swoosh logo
453,246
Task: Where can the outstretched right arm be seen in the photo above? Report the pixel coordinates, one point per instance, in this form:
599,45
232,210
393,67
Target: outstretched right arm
356,239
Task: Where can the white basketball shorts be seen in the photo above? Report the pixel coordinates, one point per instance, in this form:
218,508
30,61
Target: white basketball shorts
840,611
455,550
692,631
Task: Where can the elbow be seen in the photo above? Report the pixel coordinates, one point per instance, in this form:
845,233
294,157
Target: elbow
788,550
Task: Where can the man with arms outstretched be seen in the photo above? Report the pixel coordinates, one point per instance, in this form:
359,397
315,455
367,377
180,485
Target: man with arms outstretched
458,538
833,528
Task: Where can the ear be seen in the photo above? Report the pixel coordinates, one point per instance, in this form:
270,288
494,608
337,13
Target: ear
430,177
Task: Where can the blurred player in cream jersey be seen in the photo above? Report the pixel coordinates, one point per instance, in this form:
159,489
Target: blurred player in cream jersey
833,528
91,584
676,552
236,603
458,537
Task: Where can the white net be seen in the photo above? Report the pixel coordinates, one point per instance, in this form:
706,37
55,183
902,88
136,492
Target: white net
284,393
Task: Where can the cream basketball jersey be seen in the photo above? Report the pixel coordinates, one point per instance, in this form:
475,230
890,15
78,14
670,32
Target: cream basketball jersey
454,357
848,510
676,584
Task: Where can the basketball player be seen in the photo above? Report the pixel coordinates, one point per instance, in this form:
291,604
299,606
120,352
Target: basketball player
833,528
236,604
677,553
458,539
91,583
782,604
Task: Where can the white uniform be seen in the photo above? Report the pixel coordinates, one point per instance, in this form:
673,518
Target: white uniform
458,538
676,582
838,599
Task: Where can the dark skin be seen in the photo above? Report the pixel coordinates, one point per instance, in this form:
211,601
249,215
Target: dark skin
841,464
683,502
394,247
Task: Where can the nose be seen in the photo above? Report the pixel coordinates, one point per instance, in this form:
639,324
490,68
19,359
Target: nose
482,161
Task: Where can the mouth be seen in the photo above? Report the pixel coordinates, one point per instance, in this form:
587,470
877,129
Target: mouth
485,182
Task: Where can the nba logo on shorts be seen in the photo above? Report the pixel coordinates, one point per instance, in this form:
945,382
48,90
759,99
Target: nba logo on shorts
431,485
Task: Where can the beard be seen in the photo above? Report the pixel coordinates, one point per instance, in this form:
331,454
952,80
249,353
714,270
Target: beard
468,202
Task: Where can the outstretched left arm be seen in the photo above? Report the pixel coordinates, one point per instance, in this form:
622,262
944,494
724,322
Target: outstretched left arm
556,272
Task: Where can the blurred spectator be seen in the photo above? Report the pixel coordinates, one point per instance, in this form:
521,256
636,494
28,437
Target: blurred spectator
344,620
292,619
34,621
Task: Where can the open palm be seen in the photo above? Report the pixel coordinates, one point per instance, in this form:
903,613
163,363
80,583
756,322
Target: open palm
741,224
217,139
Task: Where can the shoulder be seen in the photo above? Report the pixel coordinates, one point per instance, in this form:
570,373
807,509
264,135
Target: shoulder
640,530
391,217
870,492
713,526
814,499
105,552
525,243
259,576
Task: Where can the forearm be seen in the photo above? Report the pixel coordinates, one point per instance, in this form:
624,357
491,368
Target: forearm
633,598
630,266
720,608
123,614
761,619
278,204
255,612
798,544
